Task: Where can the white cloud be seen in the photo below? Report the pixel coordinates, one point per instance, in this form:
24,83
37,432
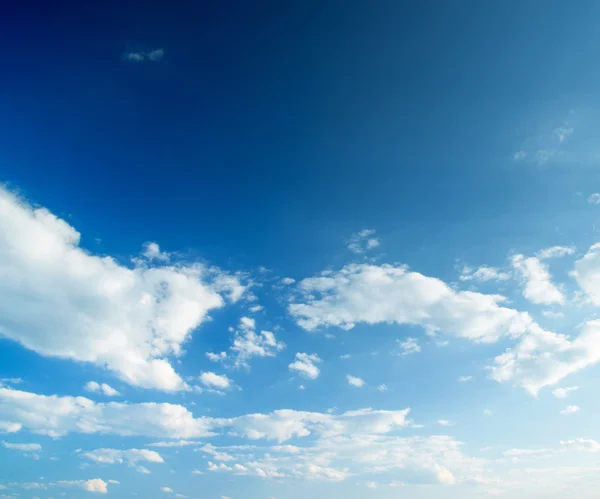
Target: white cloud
60,300
524,452
382,388
152,252
305,365
464,379
553,315
103,388
386,294
94,485
555,252
216,357
562,393
166,489
538,288
248,343
141,56
594,198
354,381
212,380
543,358
256,308
484,274
288,281
562,133
175,443
130,456
570,409
363,241
587,273
581,445
409,346
22,447
488,412
445,422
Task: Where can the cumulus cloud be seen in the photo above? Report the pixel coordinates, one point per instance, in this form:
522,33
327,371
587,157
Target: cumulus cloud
363,241
94,485
538,286
216,381
392,294
409,345
305,364
543,358
166,489
483,274
130,456
103,388
354,381
60,300
248,343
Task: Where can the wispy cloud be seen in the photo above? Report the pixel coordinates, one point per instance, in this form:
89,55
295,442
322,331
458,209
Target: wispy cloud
155,55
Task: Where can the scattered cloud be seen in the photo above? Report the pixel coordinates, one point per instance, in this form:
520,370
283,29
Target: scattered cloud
445,422
555,252
594,198
408,346
155,55
22,447
103,388
483,274
305,364
382,388
464,379
570,409
354,381
216,381
166,489
363,241
131,457
563,393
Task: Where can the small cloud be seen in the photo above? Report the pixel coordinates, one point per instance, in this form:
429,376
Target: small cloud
354,381
409,346
555,252
141,56
562,133
287,281
570,409
382,388
256,308
519,155
488,412
212,380
445,422
363,241
305,365
216,357
103,388
346,356
464,379
563,393
166,489
484,274
152,252
594,198
553,315
371,485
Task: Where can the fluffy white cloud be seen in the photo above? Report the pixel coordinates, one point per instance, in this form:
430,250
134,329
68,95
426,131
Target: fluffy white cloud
374,294
562,393
62,301
166,489
538,286
483,274
363,241
587,273
409,345
93,485
103,388
6,427
305,365
152,252
248,343
570,409
217,381
354,381
22,447
543,358
130,456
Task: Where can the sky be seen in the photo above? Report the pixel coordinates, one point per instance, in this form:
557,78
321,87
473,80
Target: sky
271,250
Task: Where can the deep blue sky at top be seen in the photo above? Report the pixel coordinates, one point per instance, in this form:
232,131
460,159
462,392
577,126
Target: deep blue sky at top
271,130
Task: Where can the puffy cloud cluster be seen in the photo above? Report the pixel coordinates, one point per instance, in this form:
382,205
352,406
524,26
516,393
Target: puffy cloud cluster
60,300
305,364
130,456
538,285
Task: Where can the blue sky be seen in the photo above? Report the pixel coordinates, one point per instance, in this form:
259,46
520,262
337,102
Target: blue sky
290,249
